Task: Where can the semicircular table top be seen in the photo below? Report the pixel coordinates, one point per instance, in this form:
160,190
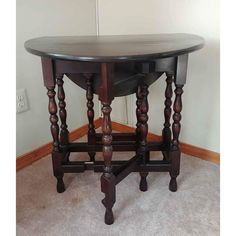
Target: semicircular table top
115,47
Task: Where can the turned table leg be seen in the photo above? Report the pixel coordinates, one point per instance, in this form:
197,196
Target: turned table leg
166,132
175,149
107,179
138,104
64,139
56,154
142,130
64,133
90,114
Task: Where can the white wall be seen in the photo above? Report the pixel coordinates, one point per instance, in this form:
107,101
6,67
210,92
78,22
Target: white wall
201,97
45,18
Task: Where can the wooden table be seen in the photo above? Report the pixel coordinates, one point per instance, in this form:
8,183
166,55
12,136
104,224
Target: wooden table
113,66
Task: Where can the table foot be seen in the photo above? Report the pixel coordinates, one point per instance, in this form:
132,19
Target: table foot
60,185
109,218
173,185
143,182
108,188
57,158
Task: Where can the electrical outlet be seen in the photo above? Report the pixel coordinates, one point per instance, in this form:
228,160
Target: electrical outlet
21,101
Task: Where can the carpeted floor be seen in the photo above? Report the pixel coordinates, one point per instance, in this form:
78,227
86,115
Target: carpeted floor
192,210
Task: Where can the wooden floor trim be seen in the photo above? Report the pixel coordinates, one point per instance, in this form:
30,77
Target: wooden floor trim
29,158
185,148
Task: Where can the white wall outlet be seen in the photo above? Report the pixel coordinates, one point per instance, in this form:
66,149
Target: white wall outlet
21,101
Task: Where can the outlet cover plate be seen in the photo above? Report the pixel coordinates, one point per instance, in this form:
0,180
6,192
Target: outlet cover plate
21,101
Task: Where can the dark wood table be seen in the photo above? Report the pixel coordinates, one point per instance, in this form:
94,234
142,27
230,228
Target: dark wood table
113,66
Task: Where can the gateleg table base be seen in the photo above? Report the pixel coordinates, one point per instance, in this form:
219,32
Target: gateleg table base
122,142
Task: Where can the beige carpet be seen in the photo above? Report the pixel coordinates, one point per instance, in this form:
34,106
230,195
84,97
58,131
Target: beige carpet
192,210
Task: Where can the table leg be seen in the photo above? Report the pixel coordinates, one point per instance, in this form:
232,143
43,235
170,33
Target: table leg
56,154
64,133
175,150
138,104
143,127
90,114
107,179
166,132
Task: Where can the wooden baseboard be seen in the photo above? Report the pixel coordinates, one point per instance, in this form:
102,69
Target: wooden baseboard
29,158
185,148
